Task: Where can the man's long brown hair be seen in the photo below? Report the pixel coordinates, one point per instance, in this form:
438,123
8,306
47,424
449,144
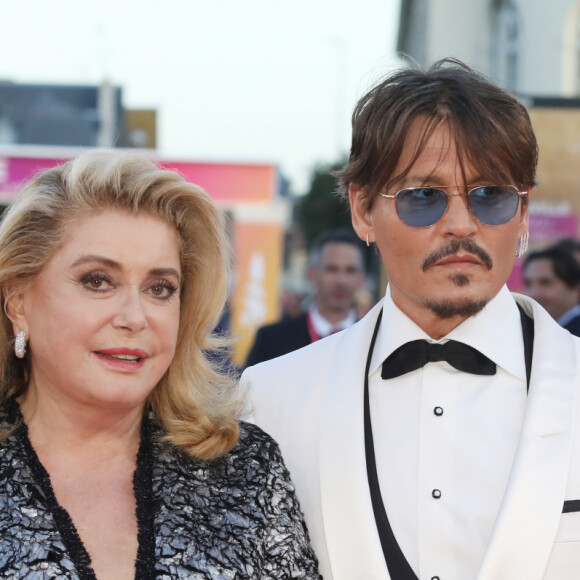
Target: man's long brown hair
491,128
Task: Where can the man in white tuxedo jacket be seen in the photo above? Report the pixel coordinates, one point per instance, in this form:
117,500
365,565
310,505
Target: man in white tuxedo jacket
439,437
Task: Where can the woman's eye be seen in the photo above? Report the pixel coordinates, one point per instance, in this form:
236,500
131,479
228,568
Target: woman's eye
95,281
163,289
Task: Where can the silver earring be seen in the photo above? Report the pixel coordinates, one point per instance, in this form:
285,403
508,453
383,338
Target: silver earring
20,344
523,245
368,241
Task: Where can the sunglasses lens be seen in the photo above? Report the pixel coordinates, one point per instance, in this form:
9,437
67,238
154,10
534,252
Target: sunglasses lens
495,204
421,206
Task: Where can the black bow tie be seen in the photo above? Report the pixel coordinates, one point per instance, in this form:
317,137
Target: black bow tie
417,353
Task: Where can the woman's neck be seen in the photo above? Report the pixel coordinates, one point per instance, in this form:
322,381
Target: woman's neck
75,429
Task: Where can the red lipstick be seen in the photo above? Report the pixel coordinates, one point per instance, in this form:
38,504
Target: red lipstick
123,358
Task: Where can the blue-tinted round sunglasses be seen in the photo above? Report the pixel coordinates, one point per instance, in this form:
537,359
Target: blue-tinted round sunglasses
491,205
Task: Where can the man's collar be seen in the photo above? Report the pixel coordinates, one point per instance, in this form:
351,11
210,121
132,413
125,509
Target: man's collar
495,331
323,327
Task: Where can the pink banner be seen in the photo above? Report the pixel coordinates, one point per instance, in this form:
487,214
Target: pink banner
225,183
16,171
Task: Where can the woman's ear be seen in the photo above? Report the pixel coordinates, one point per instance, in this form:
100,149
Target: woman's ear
14,308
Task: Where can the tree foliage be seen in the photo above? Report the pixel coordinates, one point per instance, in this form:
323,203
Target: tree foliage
322,208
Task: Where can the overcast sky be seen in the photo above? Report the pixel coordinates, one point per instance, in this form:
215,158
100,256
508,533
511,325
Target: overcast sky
232,80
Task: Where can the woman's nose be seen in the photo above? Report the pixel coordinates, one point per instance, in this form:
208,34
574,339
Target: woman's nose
131,314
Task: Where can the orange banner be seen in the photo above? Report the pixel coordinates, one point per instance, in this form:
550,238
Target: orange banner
255,300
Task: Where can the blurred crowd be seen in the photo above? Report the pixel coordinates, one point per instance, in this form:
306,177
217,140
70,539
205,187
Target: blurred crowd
552,278
339,295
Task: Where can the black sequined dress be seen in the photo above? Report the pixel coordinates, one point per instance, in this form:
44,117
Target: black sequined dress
234,518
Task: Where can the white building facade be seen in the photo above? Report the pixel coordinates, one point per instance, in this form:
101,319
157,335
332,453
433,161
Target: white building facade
531,47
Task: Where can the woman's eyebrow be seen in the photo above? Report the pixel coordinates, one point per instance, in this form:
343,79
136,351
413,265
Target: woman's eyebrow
109,263
92,258
165,272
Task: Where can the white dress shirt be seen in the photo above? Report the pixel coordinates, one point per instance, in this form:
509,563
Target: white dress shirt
323,327
445,440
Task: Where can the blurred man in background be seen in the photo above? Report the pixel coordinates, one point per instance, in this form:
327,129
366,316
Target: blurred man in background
570,245
336,273
552,277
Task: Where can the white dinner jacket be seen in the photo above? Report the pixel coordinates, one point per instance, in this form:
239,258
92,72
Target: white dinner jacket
311,402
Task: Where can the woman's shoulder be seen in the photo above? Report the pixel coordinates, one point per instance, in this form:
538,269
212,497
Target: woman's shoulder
254,447
243,475
257,446
241,505
253,438
252,459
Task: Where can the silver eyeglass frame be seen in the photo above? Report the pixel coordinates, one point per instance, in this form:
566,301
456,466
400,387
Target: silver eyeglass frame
452,194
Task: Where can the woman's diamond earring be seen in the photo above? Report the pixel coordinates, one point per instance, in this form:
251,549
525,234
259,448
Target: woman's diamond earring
20,344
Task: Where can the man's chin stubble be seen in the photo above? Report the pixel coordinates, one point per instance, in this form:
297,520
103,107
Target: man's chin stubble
461,307
451,308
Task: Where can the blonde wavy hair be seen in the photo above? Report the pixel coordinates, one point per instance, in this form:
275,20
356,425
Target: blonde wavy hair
196,403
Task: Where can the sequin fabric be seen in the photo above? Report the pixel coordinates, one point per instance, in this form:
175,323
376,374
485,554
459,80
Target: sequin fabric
234,518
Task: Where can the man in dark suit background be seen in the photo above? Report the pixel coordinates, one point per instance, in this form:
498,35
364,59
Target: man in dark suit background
336,273
552,277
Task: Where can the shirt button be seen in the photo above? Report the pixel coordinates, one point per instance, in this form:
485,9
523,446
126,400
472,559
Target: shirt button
436,493
438,411
435,578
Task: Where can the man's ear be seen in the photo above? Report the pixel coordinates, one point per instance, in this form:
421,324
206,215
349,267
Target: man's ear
525,217
361,221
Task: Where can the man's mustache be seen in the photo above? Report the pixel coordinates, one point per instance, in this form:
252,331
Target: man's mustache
453,247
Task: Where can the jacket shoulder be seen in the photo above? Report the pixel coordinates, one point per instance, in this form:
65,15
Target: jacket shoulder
279,338
316,357
574,326
284,325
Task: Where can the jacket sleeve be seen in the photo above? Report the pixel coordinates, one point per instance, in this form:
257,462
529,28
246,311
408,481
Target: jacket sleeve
287,549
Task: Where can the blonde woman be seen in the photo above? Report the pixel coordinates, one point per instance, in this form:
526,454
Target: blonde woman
122,454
